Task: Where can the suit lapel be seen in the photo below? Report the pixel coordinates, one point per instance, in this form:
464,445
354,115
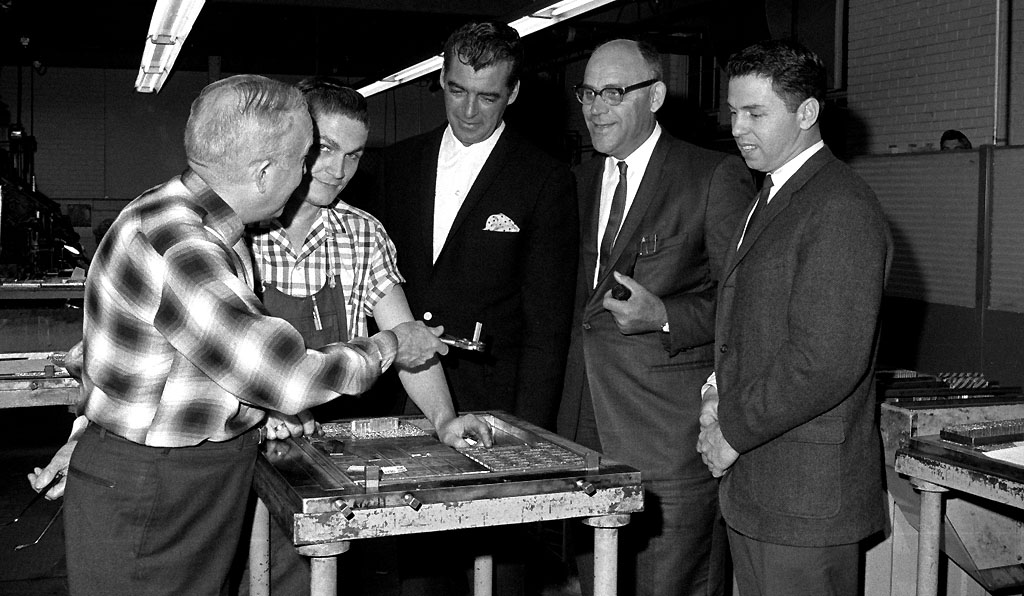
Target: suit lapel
778,204
424,200
590,212
626,245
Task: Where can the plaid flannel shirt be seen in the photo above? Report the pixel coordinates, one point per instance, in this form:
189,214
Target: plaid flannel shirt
344,241
178,349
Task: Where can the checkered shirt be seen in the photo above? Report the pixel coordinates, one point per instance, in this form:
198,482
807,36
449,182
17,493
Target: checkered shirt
178,349
344,241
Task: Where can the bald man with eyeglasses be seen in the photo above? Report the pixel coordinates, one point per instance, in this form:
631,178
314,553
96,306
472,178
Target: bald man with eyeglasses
656,217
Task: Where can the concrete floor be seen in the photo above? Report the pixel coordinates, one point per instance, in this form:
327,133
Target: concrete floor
28,438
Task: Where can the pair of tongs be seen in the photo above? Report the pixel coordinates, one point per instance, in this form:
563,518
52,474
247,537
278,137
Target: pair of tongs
38,496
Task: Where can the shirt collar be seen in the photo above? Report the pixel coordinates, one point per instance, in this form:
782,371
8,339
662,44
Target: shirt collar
219,216
786,170
637,160
454,148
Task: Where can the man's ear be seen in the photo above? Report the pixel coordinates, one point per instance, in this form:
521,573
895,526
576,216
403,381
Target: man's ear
259,173
658,93
515,93
808,113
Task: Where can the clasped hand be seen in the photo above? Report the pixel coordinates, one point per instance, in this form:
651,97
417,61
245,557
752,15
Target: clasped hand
716,453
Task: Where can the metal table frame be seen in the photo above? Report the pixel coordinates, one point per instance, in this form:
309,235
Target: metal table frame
603,496
28,391
935,467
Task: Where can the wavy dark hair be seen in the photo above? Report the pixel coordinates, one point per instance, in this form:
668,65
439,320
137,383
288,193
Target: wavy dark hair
796,72
483,44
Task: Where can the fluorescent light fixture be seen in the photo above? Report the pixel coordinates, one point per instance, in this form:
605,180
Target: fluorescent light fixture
535,21
171,23
417,70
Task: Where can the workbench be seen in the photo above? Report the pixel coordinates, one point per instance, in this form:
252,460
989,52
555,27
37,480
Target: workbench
35,379
934,467
326,492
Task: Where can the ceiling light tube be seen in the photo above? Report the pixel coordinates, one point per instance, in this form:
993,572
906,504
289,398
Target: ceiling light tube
417,70
552,14
171,23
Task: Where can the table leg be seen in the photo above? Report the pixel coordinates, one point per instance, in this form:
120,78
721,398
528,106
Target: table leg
928,537
606,552
259,551
323,566
483,575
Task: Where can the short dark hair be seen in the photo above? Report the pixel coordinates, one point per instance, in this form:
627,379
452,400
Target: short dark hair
327,96
484,44
796,72
955,135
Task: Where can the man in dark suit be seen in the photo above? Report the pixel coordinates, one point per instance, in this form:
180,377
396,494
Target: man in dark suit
636,364
789,420
486,230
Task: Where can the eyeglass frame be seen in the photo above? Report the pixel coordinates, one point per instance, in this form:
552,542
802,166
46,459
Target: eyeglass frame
600,92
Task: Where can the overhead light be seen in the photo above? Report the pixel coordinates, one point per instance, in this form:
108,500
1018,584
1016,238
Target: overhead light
538,19
554,14
171,23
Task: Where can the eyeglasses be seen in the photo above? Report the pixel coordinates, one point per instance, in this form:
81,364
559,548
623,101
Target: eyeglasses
611,95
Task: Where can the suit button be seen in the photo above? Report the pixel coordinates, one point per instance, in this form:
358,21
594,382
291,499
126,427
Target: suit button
723,348
586,326
428,315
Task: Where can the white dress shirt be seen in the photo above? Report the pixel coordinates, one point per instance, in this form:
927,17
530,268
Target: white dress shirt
636,165
457,169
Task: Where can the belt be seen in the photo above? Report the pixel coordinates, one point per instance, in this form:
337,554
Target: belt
257,434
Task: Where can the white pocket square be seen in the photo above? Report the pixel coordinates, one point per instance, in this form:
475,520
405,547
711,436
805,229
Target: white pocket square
499,222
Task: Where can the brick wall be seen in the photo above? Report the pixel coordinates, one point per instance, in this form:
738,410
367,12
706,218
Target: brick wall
919,67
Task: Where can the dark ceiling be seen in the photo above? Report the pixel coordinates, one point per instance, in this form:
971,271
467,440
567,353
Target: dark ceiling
361,40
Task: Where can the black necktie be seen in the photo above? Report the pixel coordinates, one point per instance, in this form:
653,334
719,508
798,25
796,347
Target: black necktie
614,219
760,203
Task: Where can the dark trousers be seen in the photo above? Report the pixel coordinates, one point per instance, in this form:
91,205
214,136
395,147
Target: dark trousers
147,521
765,569
676,547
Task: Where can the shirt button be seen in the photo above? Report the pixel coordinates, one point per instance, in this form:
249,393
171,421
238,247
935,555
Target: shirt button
586,326
723,348
428,315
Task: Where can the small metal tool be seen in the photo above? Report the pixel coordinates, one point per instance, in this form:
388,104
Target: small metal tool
56,514
466,344
39,495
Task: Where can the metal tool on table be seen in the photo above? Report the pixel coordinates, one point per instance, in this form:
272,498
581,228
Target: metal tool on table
648,246
466,344
35,499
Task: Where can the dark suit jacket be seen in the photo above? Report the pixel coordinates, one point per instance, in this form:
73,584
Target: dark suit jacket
517,284
797,334
645,388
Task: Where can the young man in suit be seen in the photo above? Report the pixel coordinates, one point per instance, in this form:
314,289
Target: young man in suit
790,426
636,364
486,230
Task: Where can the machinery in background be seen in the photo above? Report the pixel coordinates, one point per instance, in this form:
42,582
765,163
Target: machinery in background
37,241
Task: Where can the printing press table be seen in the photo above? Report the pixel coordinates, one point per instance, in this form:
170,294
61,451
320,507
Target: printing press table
371,478
35,379
936,466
